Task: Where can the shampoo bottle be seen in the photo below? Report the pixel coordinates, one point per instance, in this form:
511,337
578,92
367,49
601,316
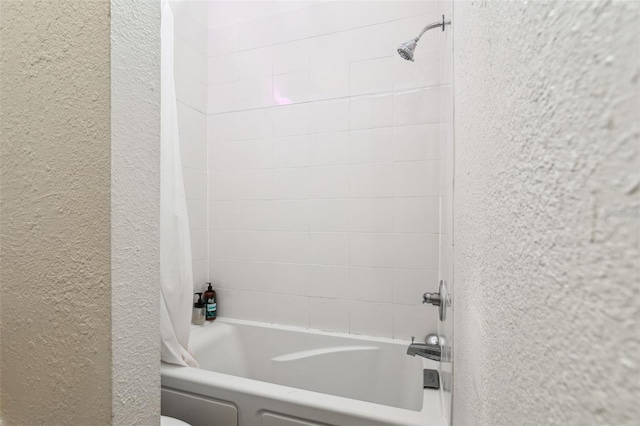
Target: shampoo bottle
211,303
198,314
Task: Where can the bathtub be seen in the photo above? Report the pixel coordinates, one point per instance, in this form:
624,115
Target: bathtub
255,374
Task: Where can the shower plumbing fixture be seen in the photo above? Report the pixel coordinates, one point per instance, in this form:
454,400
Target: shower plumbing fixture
406,50
438,299
425,350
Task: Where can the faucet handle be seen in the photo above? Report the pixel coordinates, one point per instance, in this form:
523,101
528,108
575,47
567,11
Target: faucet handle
432,339
437,299
412,339
432,298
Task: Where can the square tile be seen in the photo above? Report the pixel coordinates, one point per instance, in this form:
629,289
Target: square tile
290,184
330,215
329,281
289,120
223,244
328,149
248,155
329,248
418,142
329,116
222,127
223,69
256,246
416,214
418,106
371,319
255,276
328,50
291,88
255,63
223,215
371,76
371,42
290,215
329,182
372,250
329,314
254,184
291,247
290,310
291,151
371,145
253,306
254,215
222,40
329,82
371,180
254,93
416,251
371,215
371,111
291,57
371,284
256,32
416,179
291,278
253,124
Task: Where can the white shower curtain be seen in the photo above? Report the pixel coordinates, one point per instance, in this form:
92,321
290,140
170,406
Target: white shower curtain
176,275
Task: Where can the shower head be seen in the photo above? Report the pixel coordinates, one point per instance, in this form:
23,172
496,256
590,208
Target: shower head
406,50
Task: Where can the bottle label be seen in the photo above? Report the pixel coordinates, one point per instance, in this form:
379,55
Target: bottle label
211,310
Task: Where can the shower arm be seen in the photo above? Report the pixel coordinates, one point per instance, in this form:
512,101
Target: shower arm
432,26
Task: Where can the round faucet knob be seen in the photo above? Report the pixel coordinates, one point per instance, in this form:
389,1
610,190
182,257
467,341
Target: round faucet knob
432,339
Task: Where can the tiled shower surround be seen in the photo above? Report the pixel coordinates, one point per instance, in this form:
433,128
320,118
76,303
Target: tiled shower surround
323,164
190,45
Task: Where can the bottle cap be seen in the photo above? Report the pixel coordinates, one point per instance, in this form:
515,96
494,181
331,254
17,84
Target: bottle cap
200,302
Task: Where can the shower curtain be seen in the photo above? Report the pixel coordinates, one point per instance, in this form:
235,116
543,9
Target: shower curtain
176,275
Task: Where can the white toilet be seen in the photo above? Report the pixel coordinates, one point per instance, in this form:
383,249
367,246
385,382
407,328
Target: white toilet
170,421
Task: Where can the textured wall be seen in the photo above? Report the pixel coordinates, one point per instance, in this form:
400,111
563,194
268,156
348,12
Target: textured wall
135,189
547,275
54,209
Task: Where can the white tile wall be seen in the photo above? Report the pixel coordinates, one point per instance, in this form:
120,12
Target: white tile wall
323,163
191,74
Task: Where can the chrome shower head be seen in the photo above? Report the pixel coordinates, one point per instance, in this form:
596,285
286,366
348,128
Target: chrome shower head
405,50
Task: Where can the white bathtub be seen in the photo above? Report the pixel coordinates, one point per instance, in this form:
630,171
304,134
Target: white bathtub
257,374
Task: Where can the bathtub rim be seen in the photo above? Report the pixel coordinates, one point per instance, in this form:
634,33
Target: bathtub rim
206,383
197,329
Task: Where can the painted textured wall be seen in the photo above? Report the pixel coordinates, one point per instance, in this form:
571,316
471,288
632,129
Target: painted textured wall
135,199
547,194
54,209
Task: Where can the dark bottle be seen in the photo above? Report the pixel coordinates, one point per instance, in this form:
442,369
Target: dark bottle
211,306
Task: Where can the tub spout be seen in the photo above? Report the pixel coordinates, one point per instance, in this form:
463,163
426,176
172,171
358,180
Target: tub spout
425,350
